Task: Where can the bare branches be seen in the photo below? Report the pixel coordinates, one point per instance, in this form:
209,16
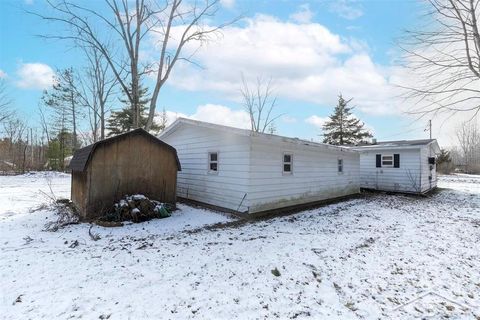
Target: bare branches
468,136
192,29
259,104
95,90
122,38
443,59
5,102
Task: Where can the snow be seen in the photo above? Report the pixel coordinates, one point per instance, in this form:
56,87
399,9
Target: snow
377,256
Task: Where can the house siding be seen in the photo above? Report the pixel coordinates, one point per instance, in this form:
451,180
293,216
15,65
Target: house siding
226,188
406,178
427,183
314,177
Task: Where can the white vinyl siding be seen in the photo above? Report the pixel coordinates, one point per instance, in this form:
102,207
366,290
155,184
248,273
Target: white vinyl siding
228,186
428,169
407,178
250,176
315,175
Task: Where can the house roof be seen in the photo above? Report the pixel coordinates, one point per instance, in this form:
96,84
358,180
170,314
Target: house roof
400,144
246,132
82,156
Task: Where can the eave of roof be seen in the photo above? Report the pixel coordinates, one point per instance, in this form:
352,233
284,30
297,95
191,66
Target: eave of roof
397,145
245,132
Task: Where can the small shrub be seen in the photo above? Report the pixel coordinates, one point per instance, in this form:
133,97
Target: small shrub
276,273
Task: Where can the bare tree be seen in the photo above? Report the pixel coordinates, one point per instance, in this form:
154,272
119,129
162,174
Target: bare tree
17,135
259,104
443,56
5,102
95,90
468,135
43,122
174,23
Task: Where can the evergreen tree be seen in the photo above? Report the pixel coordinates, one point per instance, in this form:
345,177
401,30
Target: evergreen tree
343,128
122,121
444,162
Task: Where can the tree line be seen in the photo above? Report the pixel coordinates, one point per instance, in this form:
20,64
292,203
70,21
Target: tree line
111,41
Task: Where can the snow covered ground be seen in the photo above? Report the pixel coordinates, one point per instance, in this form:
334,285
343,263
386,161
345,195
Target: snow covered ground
379,256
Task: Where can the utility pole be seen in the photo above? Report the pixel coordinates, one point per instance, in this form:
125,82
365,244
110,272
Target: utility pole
430,128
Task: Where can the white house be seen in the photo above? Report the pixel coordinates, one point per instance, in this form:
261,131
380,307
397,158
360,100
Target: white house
402,166
242,171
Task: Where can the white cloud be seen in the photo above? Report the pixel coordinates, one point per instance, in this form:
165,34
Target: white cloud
348,9
303,15
3,74
35,76
222,115
214,113
306,61
229,4
317,121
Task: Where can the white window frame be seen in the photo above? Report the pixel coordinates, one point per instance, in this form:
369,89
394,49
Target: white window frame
340,165
287,173
387,165
209,162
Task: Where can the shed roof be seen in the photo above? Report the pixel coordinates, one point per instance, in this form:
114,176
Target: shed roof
82,156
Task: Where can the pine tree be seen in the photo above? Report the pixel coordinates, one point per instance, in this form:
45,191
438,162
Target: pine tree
343,128
122,121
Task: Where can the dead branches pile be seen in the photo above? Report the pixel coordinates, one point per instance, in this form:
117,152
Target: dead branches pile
66,215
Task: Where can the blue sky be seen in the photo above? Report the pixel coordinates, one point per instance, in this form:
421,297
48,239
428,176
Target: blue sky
313,50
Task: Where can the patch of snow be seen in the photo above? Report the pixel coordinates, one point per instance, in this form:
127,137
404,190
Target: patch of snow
378,256
138,197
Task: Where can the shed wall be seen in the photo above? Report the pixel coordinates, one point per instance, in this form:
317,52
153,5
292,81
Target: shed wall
79,190
406,178
228,187
131,165
315,175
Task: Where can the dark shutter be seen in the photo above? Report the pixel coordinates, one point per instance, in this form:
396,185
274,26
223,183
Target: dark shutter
396,160
379,160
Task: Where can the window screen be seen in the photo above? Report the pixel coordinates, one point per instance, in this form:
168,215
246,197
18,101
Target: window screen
340,165
287,162
213,161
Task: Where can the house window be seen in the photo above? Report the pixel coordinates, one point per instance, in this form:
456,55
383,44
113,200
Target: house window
213,162
340,165
287,163
387,161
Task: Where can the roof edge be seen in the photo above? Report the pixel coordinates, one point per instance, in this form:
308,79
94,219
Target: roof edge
85,153
245,132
